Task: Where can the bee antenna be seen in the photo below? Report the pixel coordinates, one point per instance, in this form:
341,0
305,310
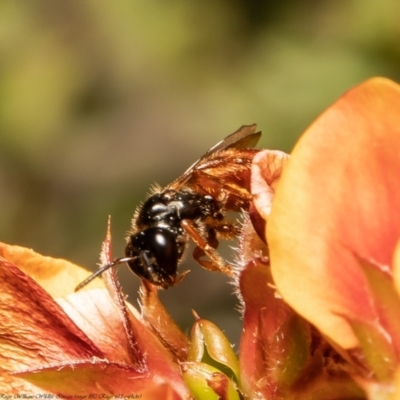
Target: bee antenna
103,269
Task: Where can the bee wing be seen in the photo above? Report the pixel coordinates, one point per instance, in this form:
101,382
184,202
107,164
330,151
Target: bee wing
245,137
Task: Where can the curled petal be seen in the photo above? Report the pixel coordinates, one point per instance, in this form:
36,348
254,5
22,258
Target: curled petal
266,170
338,197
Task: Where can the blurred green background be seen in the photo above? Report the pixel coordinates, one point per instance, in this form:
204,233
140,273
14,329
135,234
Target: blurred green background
99,99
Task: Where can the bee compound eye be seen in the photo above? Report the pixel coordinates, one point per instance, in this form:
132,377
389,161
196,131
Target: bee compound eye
156,250
164,248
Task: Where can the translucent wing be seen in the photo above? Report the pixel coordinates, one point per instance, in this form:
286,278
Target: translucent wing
245,137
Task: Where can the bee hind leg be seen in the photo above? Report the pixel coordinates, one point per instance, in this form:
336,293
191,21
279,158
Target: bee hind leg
205,247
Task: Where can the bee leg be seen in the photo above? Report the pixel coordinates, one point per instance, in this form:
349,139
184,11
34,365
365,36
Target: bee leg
206,247
226,230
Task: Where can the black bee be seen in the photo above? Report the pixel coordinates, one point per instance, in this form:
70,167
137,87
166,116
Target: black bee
193,207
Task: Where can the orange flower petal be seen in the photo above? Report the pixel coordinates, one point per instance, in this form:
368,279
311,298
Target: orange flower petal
339,195
57,276
161,323
146,351
34,330
95,313
157,392
96,378
396,267
11,384
275,344
102,345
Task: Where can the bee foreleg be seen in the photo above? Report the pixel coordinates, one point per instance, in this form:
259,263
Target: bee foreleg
206,247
